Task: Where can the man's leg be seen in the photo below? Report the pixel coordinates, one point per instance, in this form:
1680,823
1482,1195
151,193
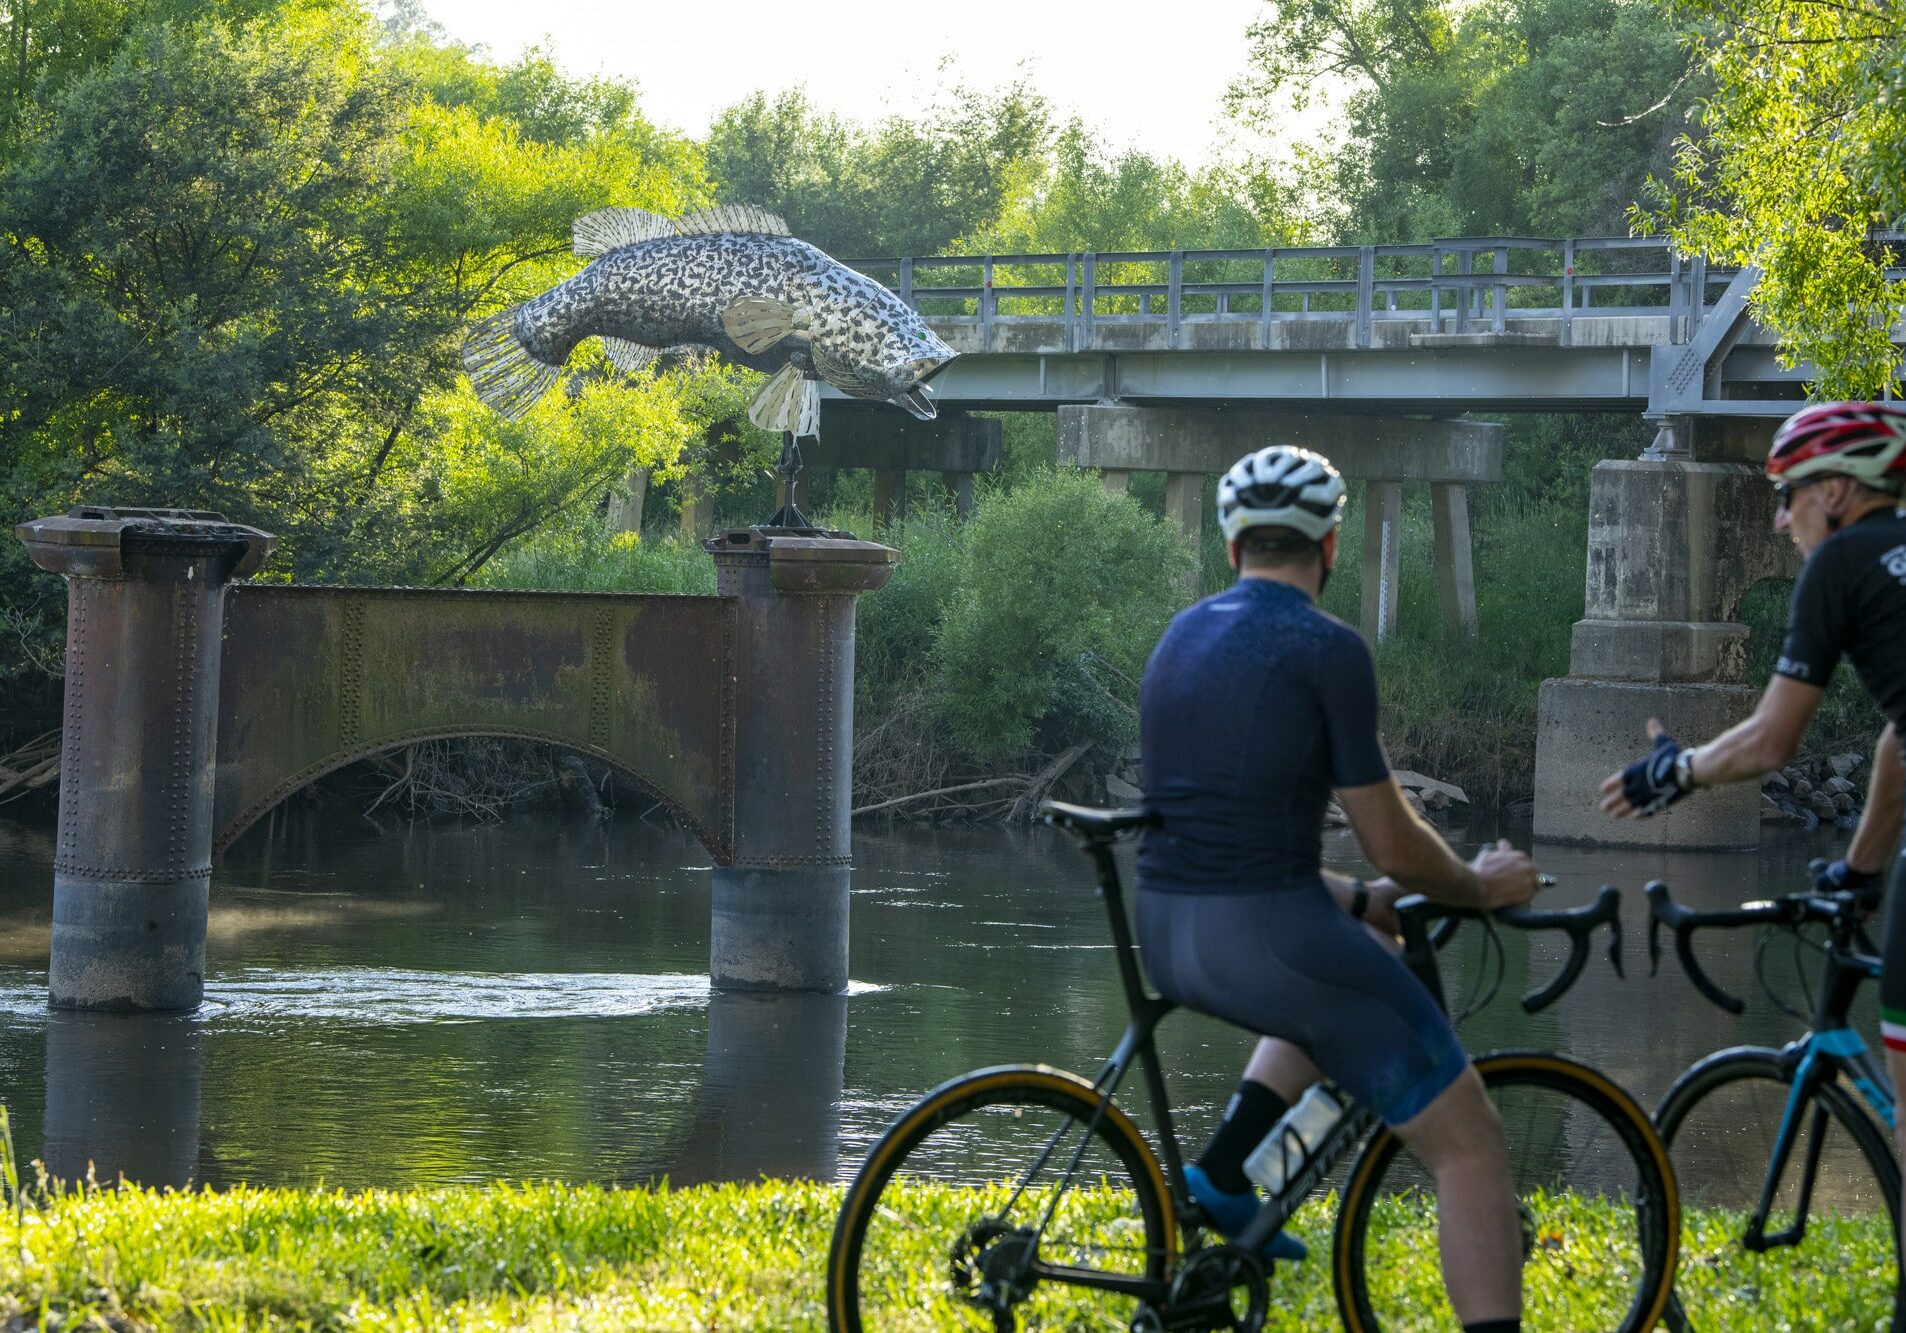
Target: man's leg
1459,1138
1893,1029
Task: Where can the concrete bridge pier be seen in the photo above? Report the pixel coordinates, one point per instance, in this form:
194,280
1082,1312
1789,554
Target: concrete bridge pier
1189,444
779,909
1673,546
145,607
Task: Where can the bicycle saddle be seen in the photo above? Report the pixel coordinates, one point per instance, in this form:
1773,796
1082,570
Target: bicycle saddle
1090,823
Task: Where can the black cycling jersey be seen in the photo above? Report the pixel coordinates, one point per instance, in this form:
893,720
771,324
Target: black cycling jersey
1851,599
1253,706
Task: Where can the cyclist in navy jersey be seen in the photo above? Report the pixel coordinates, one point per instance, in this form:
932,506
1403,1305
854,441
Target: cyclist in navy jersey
1838,470
1254,706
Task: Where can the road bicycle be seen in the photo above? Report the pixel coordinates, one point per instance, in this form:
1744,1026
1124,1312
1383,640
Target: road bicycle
1025,1196
1773,1237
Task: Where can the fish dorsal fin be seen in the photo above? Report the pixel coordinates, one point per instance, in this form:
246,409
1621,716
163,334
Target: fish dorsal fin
607,229
628,357
788,402
757,323
751,219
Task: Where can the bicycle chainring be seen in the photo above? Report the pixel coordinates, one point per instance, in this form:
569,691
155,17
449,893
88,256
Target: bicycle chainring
1219,1288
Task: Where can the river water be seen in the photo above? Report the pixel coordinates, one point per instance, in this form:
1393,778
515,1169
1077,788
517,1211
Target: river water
441,1003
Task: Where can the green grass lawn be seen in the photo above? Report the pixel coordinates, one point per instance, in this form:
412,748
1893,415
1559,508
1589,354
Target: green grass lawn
563,1257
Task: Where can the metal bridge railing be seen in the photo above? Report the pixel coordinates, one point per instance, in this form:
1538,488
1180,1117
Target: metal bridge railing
1466,285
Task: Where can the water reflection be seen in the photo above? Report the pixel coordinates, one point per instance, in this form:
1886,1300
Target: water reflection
771,1089
122,1097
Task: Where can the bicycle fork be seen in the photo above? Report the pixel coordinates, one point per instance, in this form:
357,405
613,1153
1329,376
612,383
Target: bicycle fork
1824,1054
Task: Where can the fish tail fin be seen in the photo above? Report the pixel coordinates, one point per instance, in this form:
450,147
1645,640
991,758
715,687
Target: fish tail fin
501,369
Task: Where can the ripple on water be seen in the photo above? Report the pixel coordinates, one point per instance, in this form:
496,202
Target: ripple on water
394,997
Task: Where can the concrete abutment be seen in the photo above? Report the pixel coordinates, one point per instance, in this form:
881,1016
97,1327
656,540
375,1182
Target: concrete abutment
1673,546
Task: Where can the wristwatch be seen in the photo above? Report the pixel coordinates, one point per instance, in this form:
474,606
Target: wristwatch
1684,770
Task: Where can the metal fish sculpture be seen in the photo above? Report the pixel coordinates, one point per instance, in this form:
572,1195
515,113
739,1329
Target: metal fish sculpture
731,279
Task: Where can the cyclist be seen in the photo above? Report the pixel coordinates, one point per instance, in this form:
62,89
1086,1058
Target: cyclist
1254,705
1838,470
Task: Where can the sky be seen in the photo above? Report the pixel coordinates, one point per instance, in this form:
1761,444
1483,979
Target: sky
1154,82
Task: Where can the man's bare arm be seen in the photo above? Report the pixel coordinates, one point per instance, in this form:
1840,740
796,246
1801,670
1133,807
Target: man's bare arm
1873,840
1403,846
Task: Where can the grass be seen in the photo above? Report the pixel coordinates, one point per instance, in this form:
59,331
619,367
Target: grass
563,1257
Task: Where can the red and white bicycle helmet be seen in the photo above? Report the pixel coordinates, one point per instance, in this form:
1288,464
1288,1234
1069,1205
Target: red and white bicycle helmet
1865,441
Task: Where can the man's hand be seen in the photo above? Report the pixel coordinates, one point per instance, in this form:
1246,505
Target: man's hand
1652,783
1507,875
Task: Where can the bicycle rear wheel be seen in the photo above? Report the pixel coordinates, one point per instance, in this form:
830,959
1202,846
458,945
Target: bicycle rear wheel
983,1175
1600,1212
1720,1121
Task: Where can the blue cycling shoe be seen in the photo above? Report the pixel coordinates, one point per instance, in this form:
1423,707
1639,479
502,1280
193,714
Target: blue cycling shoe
1233,1212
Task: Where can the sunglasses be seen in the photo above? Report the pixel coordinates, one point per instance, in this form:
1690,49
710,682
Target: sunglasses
1784,490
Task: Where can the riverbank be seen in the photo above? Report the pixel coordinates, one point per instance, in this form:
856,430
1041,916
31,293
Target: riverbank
727,1257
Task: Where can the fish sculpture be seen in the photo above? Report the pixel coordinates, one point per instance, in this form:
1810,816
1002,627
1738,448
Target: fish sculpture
732,279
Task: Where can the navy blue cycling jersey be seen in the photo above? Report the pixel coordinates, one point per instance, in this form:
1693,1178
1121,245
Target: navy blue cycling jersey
1254,705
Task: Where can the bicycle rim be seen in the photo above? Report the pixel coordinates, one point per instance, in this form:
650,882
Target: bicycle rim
1720,1121
948,1201
1599,1210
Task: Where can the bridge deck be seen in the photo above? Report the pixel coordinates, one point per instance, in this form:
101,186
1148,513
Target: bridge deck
1472,324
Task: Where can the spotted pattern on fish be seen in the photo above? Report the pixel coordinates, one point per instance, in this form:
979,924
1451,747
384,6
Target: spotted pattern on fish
671,292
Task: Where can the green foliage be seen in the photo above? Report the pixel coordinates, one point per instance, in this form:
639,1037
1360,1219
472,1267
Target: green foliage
1530,117
1804,151
897,630
577,557
903,187
1064,590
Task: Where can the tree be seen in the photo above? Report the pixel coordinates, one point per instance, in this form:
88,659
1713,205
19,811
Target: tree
1538,117
901,187
1804,153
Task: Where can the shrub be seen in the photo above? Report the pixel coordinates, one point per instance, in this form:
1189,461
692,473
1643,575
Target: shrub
1063,591
583,559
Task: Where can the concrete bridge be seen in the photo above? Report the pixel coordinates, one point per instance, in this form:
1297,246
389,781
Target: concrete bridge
1180,362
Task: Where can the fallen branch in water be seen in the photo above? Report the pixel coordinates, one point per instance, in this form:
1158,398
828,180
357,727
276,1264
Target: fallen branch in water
1016,779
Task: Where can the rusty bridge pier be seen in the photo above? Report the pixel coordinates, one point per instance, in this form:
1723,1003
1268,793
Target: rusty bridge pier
779,906
133,862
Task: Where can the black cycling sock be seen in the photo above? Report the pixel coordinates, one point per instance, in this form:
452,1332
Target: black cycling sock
1253,1109
1495,1326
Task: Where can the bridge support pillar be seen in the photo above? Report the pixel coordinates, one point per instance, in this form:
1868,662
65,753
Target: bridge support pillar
890,494
1455,562
779,909
1673,546
1382,556
145,608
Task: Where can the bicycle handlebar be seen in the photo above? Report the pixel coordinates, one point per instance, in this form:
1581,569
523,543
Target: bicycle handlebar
1790,910
1579,923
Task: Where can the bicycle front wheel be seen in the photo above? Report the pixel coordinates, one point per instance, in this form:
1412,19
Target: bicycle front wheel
1835,1207
1600,1213
1003,1199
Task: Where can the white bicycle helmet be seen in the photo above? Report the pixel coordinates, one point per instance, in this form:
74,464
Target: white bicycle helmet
1283,487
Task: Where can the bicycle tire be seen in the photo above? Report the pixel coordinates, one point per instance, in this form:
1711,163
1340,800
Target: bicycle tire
1602,1214
1719,1121
907,1252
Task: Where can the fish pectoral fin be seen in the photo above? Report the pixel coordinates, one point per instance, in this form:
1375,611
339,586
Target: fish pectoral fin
629,357
749,219
606,229
788,402
757,323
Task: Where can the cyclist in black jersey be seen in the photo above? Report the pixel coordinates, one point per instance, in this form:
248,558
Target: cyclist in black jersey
1254,705
1839,470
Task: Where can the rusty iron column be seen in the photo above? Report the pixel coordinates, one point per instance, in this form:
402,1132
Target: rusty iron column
779,910
145,608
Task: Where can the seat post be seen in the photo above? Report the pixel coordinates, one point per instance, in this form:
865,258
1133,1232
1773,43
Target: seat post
1122,942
